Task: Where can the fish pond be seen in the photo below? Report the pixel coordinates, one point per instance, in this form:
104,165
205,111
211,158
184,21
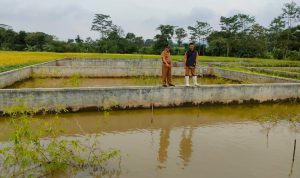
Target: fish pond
78,81
228,141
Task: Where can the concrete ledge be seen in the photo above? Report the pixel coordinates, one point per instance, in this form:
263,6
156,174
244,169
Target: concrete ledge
144,97
10,77
274,71
87,62
250,77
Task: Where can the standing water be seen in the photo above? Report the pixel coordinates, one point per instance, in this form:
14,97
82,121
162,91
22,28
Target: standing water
206,141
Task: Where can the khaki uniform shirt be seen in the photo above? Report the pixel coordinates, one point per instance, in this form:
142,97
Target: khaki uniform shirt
167,56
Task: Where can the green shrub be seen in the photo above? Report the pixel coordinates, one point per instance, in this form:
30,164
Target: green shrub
38,152
293,55
278,53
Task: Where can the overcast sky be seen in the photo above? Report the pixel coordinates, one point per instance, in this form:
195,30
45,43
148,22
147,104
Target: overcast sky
67,18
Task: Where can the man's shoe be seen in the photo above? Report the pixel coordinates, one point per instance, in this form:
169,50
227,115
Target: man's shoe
165,85
171,85
187,81
195,81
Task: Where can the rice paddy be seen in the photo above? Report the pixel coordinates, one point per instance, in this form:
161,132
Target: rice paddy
11,59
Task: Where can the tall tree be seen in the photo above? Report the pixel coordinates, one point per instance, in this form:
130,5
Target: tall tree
78,39
276,27
232,26
102,24
200,31
164,38
180,35
291,14
246,22
166,31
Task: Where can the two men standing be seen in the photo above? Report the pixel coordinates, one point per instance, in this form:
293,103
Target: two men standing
190,63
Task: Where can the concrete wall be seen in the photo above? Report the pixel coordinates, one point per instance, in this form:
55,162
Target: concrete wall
75,62
134,97
274,71
10,77
250,77
66,71
148,63
123,68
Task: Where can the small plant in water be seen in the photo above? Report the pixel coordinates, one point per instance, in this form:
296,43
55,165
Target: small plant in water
33,152
75,80
268,122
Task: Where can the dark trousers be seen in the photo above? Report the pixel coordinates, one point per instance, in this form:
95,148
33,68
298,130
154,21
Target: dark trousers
166,74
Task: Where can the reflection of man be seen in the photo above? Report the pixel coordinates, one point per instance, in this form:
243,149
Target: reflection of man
190,64
163,146
186,142
166,67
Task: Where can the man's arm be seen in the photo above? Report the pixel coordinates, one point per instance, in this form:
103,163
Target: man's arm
197,59
185,58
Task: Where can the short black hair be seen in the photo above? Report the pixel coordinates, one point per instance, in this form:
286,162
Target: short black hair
191,44
167,46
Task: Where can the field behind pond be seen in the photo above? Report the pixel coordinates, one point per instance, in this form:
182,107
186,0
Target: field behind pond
11,60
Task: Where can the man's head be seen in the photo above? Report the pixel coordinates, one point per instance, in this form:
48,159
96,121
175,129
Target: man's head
192,46
167,48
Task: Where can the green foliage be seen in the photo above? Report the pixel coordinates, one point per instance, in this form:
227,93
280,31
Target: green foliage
278,53
75,80
291,13
200,31
180,35
34,152
102,24
164,38
293,55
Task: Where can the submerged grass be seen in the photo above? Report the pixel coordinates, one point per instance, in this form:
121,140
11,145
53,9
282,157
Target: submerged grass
40,151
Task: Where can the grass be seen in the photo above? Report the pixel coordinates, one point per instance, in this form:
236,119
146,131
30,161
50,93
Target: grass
41,150
12,59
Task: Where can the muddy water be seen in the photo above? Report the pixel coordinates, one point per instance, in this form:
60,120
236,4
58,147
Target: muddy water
211,141
107,82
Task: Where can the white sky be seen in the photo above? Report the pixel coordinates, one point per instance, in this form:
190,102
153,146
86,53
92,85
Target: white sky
67,18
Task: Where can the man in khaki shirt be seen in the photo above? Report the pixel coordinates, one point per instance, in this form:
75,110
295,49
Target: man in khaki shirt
166,67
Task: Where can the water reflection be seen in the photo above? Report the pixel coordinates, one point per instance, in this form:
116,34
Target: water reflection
186,143
204,141
163,147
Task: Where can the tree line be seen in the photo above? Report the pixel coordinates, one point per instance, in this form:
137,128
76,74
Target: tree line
239,36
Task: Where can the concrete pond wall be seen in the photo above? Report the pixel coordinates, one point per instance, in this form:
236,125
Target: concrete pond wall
268,88
10,77
144,97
